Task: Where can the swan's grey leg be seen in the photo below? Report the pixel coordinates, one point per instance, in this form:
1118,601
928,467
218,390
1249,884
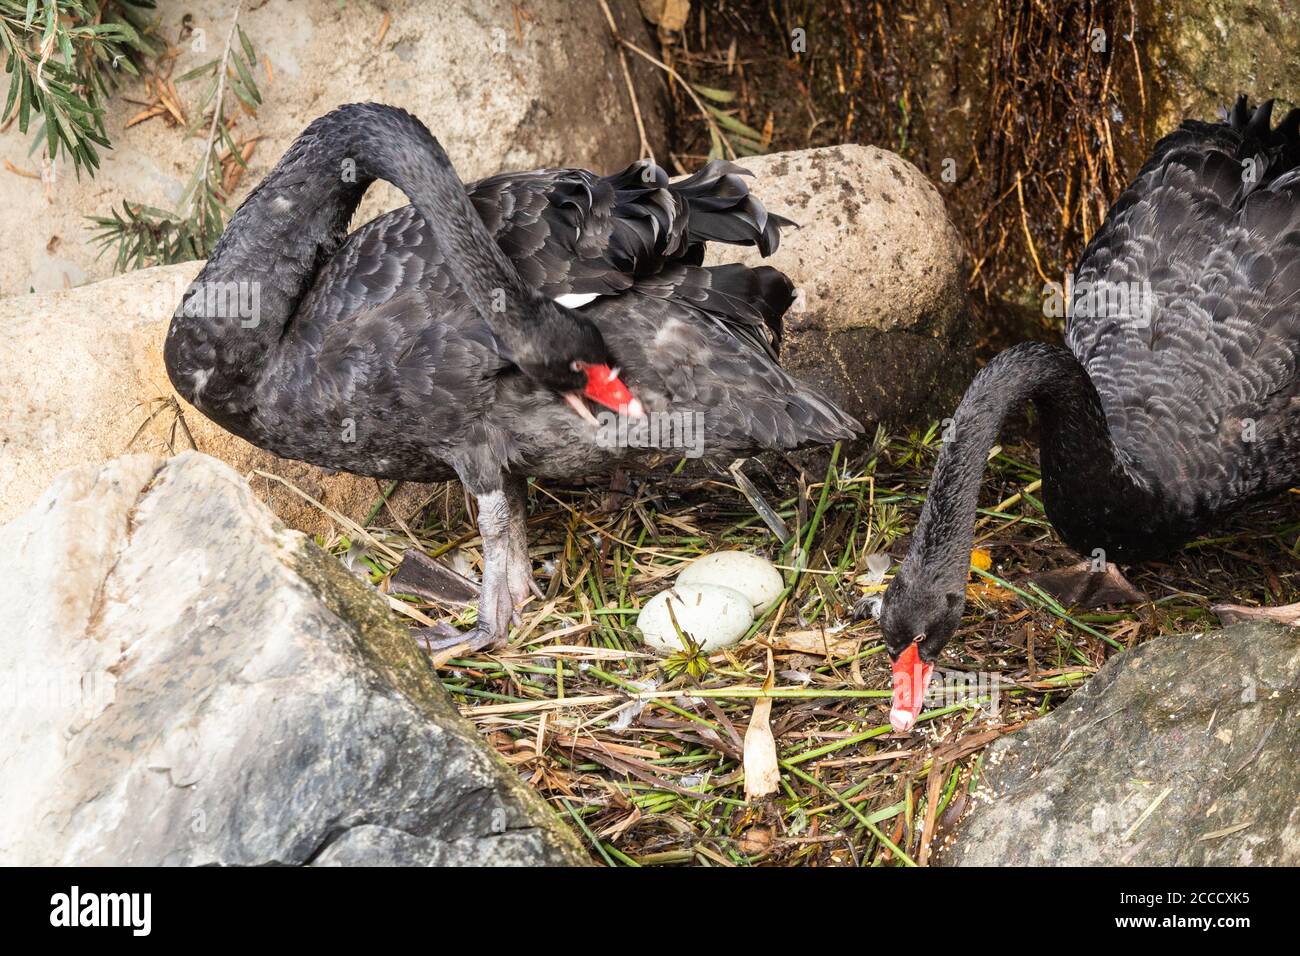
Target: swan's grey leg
520,572
495,607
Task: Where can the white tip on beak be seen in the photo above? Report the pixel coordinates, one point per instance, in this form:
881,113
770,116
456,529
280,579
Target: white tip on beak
635,409
901,720
575,402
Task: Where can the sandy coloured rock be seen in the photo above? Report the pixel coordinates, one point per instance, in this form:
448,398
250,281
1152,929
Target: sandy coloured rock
502,86
83,381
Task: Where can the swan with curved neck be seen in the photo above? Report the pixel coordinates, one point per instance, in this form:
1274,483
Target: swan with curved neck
1153,424
298,218
427,344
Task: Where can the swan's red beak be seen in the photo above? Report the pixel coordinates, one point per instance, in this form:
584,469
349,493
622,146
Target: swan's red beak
604,387
911,678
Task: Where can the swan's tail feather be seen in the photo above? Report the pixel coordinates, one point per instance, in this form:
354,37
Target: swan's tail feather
814,418
1255,124
571,231
748,303
1242,156
1289,128
1277,148
722,209
713,204
751,303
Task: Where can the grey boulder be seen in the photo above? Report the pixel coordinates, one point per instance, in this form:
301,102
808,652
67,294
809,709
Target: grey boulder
188,682
1180,752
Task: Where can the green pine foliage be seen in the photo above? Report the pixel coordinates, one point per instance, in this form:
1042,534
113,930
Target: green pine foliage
138,235
62,60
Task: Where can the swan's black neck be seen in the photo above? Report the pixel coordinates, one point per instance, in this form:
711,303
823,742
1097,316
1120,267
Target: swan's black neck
1093,495
293,222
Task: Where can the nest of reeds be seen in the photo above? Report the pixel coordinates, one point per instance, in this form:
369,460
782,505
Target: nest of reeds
644,755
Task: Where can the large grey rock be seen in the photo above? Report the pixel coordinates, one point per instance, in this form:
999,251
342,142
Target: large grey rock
1181,752
188,682
504,85
882,324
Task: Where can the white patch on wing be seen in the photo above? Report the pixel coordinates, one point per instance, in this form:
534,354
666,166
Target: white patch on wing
669,333
576,300
282,204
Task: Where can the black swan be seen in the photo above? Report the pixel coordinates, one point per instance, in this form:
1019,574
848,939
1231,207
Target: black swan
1160,416
426,345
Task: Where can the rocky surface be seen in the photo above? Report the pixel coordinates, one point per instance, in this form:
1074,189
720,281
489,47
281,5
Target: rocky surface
882,323
1180,752
504,85
1212,51
188,682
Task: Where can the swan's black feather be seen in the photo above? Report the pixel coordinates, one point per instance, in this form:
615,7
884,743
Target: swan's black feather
565,230
1204,399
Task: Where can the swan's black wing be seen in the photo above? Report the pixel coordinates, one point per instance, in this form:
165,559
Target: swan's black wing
571,231
677,337
566,230
1195,347
418,381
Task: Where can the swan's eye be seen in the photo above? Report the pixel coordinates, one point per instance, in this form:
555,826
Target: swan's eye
576,365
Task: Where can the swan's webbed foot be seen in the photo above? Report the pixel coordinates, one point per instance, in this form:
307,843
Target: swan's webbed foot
507,572
432,580
1083,585
442,636
519,580
496,613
